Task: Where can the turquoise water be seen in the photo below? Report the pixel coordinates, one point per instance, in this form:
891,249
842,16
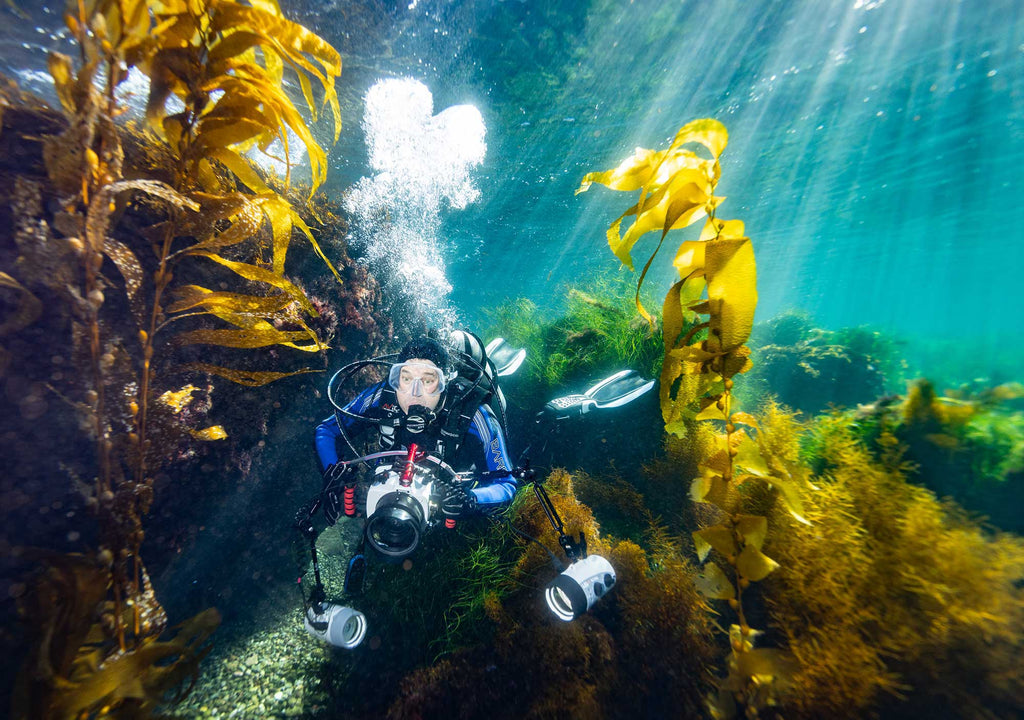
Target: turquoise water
875,157
875,147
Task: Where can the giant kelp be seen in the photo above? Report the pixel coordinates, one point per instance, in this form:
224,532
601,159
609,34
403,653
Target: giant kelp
717,279
225,62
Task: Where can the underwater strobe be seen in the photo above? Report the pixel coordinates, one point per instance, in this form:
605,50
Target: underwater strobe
339,625
588,577
581,585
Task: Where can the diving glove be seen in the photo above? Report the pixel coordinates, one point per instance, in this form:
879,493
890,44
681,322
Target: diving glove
458,503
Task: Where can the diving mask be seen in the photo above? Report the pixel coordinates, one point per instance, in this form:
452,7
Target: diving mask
417,378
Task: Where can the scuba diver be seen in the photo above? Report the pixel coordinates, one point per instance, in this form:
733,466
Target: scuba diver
435,409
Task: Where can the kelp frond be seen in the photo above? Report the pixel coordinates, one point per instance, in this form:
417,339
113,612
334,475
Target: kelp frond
717,279
225,60
73,673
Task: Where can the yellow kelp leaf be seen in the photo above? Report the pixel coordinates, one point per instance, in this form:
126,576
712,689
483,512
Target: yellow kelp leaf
63,80
711,488
248,338
674,205
254,78
215,432
722,229
632,173
177,400
293,43
732,289
236,43
131,270
672,315
790,495
690,387
707,131
742,418
242,170
718,537
298,222
188,297
244,224
753,564
748,456
279,213
29,308
214,135
736,361
712,583
251,378
689,258
778,665
710,409
753,529
689,296
693,355
259,274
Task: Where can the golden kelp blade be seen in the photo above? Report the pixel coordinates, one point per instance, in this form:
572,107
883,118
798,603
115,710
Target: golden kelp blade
246,377
246,338
732,290
190,297
259,274
63,80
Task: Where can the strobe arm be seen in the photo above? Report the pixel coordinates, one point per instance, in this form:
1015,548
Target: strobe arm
573,549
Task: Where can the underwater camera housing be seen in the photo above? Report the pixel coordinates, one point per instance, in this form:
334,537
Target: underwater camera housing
397,515
341,626
581,585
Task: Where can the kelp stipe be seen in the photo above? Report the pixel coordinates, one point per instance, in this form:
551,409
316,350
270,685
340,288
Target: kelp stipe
717,279
226,53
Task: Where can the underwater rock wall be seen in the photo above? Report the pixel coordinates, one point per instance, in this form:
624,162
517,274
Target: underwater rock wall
209,497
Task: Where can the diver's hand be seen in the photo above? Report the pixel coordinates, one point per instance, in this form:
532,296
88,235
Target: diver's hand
458,503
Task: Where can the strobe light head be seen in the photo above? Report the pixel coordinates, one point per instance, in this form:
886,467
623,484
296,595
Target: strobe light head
581,585
395,525
338,625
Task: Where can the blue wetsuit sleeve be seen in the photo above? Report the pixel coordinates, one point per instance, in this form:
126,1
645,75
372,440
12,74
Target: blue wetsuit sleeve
486,427
328,432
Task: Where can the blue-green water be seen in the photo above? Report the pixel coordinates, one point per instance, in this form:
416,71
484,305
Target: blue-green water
875,157
875,146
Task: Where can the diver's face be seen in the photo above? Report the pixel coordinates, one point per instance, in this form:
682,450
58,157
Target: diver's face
419,383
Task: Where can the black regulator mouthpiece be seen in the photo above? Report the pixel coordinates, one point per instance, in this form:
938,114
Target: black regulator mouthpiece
418,419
